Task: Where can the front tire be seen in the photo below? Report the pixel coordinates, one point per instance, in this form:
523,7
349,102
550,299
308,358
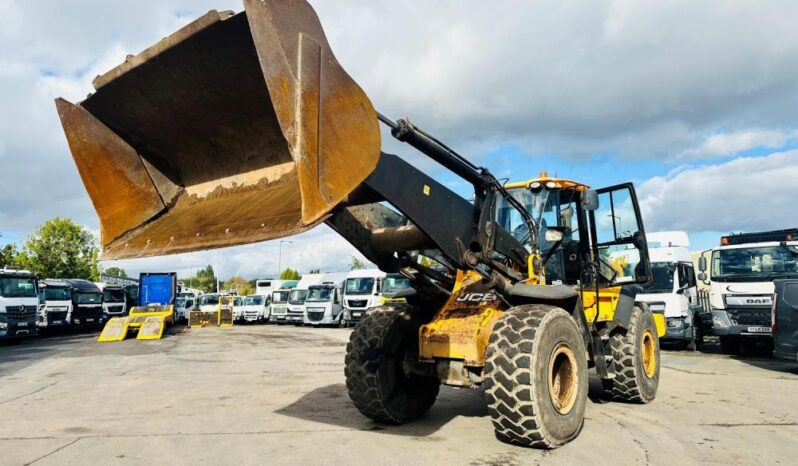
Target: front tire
636,359
536,376
379,348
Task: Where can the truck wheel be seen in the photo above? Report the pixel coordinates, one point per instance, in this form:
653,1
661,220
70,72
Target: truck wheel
635,355
729,345
536,376
381,350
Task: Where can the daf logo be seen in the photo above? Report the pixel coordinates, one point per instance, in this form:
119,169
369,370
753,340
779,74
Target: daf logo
757,301
476,297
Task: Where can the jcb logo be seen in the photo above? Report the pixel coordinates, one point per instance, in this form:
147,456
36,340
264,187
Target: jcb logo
476,297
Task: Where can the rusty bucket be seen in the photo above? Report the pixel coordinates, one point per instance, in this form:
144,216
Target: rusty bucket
237,128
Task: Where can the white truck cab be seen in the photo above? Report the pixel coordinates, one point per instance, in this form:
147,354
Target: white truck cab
209,302
362,291
56,312
238,309
673,290
256,308
279,305
740,279
114,300
296,298
324,302
19,304
185,302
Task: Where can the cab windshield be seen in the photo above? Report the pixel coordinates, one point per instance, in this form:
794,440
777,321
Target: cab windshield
393,283
89,298
18,287
55,293
209,300
663,278
319,294
253,301
548,208
362,285
281,296
114,296
755,264
297,296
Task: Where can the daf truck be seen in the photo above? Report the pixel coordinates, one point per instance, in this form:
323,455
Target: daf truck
673,290
87,304
324,302
296,298
740,277
57,309
19,302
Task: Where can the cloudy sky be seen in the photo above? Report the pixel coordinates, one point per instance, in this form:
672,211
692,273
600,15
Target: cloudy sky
696,102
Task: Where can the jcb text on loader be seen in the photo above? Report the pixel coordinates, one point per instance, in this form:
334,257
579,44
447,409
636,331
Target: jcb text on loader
243,127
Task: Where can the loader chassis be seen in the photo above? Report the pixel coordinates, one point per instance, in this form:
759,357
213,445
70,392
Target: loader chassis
241,128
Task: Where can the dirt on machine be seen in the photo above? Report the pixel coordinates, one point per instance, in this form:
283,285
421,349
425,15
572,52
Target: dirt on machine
244,127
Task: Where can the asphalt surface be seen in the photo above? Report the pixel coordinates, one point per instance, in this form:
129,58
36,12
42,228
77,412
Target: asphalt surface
276,395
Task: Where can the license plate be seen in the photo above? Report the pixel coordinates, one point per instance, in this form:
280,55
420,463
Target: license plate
89,320
22,324
56,322
759,329
356,314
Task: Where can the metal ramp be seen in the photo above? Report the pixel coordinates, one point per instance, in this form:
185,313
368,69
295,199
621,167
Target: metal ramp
115,330
152,328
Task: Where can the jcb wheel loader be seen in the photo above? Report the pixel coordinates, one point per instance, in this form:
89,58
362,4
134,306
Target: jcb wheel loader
243,127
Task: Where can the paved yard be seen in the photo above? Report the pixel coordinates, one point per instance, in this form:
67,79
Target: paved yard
276,395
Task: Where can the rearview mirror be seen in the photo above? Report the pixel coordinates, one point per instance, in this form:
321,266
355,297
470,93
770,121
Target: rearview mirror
590,200
702,276
553,235
702,265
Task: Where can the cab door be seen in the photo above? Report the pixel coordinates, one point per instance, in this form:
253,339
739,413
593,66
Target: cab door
785,319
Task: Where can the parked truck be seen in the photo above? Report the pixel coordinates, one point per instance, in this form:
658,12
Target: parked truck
256,308
673,290
362,291
19,304
57,309
740,276
279,305
87,304
114,301
296,299
185,302
784,323
324,303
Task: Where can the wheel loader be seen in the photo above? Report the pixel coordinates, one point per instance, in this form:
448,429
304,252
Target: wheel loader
244,127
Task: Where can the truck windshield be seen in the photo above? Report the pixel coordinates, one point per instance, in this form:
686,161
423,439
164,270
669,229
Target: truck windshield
88,298
297,296
180,302
253,301
281,296
54,293
319,294
114,296
395,283
17,287
209,300
359,285
663,278
237,301
755,264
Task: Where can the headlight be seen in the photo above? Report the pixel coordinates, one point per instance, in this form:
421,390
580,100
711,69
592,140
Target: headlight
675,322
720,319
3,326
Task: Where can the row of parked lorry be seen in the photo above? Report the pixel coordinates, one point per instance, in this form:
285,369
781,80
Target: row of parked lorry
331,299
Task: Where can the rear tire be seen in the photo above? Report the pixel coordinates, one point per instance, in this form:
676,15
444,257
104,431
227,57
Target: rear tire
536,376
375,372
635,354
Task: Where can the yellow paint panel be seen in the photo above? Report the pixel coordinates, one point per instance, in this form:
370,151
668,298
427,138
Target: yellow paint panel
659,322
115,330
152,328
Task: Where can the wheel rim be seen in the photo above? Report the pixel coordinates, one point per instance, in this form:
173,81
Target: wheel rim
563,378
649,354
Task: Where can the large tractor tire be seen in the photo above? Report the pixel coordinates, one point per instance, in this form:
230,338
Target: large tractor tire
635,355
536,376
381,350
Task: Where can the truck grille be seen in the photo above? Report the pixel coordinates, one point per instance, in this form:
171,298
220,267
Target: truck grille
315,316
279,310
357,303
115,309
20,313
83,312
757,317
53,316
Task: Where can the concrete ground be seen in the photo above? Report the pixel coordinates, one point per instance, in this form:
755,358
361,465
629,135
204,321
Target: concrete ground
276,395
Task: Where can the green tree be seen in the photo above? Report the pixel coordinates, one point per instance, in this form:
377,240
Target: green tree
356,264
240,284
315,271
61,249
290,274
115,272
8,255
204,280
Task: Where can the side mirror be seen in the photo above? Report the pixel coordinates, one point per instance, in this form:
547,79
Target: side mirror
702,276
590,200
554,234
702,266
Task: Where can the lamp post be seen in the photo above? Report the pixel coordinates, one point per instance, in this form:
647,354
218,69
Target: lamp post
280,257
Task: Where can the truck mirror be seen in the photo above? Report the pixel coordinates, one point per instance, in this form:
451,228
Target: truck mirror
590,200
702,265
702,276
